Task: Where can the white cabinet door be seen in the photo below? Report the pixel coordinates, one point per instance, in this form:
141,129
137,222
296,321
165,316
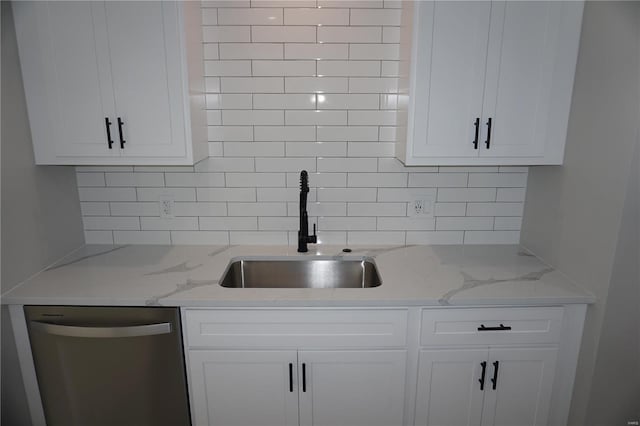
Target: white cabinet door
524,382
525,88
243,388
146,62
67,80
452,45
355,388
449,390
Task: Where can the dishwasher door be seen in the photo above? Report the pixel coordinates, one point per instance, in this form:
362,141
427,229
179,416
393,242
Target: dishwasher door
109,365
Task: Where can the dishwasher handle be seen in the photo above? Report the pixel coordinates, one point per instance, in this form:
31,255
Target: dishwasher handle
102,332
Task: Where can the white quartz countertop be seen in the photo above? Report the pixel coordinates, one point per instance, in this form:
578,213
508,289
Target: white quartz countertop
189,276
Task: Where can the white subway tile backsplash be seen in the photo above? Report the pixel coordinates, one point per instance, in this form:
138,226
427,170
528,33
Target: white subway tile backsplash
252,84
90,179
226,68
229,223
95,209
107,194
254,180
285,164
316,16
161,224
240,117
226,194
221,34
285,133
329,34
146,208
111,223
291,85
373,51
288,101
316,149
200,237
347,164
316,117
371,149
348,101
141,237
315,84
250,51
176,194
375,17
316,51
254,149
348,133
270,34
284,68
377,180
250,16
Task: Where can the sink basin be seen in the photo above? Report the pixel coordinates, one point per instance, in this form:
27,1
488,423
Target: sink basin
301,273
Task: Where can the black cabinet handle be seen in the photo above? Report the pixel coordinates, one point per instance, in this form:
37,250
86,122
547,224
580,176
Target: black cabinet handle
475,140
488,141
484,370
494,381
304,377
122,141
290,377
501,328
107,124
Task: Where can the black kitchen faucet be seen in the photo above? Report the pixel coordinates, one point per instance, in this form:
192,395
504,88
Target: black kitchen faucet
303,238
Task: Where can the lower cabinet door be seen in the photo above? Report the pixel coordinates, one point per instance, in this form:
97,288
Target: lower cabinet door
243,388
451,387
523,384
354,388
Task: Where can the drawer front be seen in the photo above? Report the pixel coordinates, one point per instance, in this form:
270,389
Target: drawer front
490,326
309,328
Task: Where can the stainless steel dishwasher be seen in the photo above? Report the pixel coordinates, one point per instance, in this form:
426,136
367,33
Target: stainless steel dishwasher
109,365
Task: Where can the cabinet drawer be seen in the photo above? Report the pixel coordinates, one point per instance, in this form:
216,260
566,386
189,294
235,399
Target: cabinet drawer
347,328
490,326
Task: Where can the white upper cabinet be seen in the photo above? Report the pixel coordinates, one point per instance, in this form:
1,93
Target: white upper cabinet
490,83
113,82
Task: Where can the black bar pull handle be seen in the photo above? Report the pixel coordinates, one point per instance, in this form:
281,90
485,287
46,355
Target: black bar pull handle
475,140
501,328
494,381
122,141
488,141
304,377
107,124
290,377
484,370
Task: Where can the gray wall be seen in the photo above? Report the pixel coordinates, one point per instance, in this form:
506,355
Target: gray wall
41,219
573,214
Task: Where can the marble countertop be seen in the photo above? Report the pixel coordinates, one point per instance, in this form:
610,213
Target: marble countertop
139,275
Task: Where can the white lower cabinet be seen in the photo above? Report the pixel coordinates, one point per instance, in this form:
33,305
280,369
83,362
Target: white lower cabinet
287,388
506,387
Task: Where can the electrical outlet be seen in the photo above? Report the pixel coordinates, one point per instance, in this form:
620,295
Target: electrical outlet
421,206
166,206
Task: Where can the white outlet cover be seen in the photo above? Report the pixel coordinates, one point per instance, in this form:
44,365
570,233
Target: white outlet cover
426,200
166,206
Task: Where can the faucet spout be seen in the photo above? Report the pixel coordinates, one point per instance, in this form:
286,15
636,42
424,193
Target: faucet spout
303,237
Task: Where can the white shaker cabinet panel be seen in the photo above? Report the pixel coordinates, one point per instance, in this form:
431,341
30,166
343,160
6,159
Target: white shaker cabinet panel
144,41
244,388
449,388
523,386
355,388
452,41
113,82
65,66
490,83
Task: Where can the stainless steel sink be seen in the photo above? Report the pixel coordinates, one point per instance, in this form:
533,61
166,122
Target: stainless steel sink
301,273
